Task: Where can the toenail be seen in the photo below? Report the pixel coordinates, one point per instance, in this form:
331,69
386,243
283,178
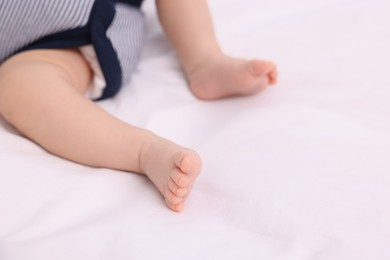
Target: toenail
181,192
175,199
179,208
183,181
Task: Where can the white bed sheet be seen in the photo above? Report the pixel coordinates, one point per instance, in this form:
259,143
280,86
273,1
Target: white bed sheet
300,171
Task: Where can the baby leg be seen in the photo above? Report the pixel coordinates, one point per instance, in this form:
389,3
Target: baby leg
41,94
211,74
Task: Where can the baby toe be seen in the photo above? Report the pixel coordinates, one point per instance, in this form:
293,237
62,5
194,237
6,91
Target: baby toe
172,198
175,207
178,191
180,178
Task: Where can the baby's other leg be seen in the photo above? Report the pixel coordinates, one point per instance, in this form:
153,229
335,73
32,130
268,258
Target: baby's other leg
211,74
41,94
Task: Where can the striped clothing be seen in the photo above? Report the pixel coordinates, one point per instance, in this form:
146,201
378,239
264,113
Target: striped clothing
115,28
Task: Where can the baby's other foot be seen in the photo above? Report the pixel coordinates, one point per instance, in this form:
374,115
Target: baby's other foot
221,76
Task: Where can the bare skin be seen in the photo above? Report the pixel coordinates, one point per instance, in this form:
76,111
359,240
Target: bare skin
42,95
54,113
211,74
221,76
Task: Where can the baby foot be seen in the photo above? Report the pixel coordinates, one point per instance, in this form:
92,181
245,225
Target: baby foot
173,170
221,76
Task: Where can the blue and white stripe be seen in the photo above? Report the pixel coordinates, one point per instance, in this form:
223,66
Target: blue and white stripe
127,36
24,22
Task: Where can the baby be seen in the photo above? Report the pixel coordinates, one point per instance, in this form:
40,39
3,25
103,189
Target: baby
52,52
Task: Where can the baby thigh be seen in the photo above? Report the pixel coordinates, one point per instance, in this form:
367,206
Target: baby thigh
67,64
37,72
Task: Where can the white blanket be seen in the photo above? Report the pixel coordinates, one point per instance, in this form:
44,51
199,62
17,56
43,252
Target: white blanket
299,171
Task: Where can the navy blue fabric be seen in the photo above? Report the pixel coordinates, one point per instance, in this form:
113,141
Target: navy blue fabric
136,3
102,16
